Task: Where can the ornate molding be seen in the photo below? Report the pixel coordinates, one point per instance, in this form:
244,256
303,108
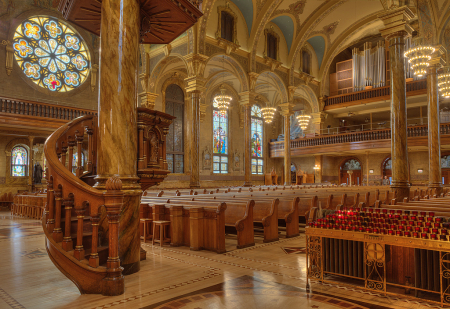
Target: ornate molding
196,64
9,56
229,47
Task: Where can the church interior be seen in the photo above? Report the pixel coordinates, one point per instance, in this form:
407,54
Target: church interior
123,184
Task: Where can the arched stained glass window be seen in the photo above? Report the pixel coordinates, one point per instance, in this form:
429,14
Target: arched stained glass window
19,161
51,53
257,140
75,162
220,140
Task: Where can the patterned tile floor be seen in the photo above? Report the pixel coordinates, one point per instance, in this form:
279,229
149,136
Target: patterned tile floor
265,276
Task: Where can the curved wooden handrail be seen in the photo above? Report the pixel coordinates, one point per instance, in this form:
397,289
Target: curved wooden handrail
56,165
70,201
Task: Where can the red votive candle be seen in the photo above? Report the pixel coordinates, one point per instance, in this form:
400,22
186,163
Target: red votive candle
415,235
409,228
390,232
424,235
443,237
407,234
426,230
417,229
399,233
433,236
361,229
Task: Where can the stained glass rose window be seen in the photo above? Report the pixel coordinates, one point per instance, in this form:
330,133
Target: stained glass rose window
51,53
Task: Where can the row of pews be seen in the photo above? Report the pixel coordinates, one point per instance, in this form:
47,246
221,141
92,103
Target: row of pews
201,219
6,200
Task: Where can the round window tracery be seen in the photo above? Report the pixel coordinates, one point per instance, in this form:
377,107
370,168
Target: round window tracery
51,53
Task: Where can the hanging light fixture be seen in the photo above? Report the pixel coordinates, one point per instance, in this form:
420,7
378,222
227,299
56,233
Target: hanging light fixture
444,82
303,120
419,56
222,100
268,113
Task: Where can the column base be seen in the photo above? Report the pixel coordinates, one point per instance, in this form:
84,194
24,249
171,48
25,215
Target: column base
131,268
402,190
247,184
436,186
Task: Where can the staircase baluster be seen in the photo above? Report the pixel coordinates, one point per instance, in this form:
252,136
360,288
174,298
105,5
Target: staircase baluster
79,249
50,205
57,233
90,132
113,203
72,143
93,258
79,138
67,243
63,154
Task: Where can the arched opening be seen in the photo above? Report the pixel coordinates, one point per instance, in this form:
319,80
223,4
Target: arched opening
386,167
350,172
175,138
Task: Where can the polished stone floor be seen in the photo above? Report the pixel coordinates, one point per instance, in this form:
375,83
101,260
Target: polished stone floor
265,276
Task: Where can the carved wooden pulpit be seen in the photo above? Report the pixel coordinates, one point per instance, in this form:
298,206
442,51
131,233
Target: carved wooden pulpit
153,127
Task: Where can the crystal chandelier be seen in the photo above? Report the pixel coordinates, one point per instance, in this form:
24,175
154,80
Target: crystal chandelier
268,113
444,82
303,120
419,57
222,100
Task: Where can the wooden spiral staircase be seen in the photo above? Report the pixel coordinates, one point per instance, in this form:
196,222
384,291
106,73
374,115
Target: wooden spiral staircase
81,223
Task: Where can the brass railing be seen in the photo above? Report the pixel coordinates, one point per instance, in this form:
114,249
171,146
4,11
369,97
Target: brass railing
38,109
373,93
361,136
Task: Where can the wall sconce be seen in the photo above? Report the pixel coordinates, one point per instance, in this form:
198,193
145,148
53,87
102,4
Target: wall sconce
370,171
420,171
316,167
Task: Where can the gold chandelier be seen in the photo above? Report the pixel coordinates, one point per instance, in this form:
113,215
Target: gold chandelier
222,101
419,57
268,113
303,120
444,82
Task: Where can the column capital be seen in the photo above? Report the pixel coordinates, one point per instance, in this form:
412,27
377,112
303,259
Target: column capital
437,58
31,139
247,98
319,117
286,109
194,83
396,22
148,99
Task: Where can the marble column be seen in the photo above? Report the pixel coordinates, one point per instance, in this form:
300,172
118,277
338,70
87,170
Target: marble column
434,138
396,28
247,99
195,139
30,164
117,120
287,112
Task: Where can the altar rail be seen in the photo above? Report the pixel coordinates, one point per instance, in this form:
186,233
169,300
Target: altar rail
415,87
39,109
298,146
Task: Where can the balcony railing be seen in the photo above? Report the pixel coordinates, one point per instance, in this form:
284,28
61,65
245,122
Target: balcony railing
371,95
45,110
277,148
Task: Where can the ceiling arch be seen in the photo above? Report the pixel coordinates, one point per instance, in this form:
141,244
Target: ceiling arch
246,7
286,25
318,44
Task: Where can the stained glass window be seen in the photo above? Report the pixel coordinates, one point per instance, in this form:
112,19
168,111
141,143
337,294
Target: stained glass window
257,140
51,53
220,141
351,165
75,162
19,161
